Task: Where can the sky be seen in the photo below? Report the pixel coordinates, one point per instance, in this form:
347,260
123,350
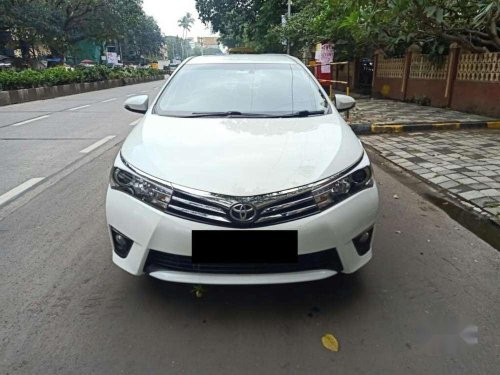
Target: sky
168,12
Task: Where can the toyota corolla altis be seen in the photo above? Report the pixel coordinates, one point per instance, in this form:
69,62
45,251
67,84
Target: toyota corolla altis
242,171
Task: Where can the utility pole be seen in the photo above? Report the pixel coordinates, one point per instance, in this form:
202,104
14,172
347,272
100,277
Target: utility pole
289,14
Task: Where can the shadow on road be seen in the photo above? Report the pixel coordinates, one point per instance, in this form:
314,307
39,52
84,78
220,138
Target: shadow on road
312,298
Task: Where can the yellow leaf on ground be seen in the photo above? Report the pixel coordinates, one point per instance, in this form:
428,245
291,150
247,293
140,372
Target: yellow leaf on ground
330,342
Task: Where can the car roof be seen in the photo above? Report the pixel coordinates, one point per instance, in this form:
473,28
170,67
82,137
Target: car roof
243,59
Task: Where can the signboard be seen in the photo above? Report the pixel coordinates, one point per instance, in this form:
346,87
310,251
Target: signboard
112,58
324,55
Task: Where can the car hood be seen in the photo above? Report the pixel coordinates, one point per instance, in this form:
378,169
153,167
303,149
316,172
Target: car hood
241,156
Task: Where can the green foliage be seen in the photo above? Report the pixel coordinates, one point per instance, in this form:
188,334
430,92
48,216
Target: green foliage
28,78
58,25
432,24
185,23
246,23
357,27
421,100
175,45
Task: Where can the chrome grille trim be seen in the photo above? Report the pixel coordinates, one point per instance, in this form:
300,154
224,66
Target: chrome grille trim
270,210
288,213
197,213
198,205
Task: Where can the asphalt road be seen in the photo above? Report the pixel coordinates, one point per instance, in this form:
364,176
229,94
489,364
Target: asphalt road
66,309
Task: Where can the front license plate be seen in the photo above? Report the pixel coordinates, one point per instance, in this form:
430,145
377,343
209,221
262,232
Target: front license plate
244,246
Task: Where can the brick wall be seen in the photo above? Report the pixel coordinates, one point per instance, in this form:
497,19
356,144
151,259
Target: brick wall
462,81
388,76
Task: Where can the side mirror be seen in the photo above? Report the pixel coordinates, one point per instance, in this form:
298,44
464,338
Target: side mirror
344,102
138,104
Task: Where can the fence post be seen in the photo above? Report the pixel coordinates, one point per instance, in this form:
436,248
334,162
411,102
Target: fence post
376,58
451,75
412,50
355,73
348,80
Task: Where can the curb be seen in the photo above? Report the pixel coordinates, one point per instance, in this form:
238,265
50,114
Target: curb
415,127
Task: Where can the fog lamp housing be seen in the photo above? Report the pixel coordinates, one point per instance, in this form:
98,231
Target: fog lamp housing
363,242
121,243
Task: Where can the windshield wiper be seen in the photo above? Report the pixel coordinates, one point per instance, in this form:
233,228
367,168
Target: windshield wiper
303,114
261,115
226,114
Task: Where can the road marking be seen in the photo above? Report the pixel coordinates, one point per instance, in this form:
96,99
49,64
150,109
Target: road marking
19,189
135,122
108,100
80,107
144,91
30,120
131,94
93,146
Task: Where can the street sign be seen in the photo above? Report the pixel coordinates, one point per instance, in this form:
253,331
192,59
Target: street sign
112,58
325,57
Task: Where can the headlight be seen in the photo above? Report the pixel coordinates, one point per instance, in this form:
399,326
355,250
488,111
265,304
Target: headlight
141,188
336,190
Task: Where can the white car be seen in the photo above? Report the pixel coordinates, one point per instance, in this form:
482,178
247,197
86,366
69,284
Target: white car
241,171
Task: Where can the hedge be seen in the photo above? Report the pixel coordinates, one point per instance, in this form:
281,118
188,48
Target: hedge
25,79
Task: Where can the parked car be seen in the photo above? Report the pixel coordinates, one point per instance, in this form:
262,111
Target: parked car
6,62
242,171
171,68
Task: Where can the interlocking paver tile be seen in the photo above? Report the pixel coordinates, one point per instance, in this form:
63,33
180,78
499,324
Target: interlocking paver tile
448,184
473,194
396,112
466,181
439,179
489,173
491,192
465,163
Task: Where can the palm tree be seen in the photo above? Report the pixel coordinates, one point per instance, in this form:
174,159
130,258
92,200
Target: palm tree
185,22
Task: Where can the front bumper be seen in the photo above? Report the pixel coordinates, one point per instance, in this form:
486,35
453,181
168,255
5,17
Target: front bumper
150,229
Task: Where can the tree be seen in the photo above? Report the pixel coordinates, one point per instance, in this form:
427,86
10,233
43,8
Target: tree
175,46
244,22
357,26
59,25
142,41
474,25
185,22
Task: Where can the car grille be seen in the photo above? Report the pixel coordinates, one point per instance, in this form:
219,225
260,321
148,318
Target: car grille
326,259
215,210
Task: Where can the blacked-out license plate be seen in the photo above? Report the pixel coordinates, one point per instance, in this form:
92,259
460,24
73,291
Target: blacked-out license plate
244,246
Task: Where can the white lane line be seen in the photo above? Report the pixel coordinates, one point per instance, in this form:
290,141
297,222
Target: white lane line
135,122
131,94
30,120
144,91
19,189
108,100
93,146
80,107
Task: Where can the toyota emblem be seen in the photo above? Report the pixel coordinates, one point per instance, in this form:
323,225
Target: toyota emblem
243,212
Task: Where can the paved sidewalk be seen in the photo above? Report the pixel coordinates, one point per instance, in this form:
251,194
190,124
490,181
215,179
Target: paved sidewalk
465,164
383,111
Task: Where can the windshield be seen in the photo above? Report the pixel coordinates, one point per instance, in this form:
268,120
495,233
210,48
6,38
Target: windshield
264,90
